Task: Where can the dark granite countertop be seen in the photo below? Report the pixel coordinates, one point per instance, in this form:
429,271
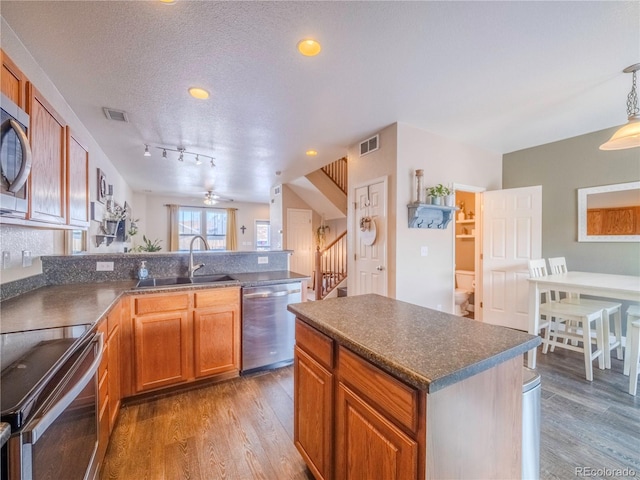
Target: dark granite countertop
427,348
5,433
77,304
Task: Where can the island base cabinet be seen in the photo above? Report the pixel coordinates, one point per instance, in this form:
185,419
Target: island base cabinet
369,445
313,407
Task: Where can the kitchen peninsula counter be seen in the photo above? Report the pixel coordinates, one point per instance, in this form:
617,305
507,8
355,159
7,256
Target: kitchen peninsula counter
429,395
86,303
426,348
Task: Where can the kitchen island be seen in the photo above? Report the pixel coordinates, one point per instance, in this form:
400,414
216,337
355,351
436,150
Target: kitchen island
386,389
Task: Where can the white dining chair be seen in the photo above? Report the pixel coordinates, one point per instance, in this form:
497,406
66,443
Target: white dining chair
633,315
612,310
632,350
583,317
538,268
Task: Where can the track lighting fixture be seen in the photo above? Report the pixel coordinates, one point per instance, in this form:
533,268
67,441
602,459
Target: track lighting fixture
182,153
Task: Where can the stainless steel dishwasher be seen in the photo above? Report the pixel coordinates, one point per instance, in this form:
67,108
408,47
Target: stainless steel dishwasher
268,329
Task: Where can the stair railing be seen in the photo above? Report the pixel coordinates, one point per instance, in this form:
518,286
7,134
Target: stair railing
330,266
337,171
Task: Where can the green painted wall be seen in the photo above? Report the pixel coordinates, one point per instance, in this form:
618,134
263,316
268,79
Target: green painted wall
561,168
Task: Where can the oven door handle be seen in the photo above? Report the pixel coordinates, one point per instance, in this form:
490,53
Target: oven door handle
48,418
25,167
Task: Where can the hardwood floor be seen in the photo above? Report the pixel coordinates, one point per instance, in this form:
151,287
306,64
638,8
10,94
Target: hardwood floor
242,429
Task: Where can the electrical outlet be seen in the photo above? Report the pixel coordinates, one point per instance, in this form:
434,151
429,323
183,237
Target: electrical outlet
104,266
27,260
262,260
6,259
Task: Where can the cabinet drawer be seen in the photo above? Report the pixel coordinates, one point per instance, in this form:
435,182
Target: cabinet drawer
160,303
217,296
396,399
316,344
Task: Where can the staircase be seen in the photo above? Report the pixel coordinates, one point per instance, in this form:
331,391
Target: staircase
330,267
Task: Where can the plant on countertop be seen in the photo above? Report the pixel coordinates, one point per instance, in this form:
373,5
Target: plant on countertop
149,246
133,227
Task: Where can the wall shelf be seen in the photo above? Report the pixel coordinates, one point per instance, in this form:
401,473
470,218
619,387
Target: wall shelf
422,215
100,239
465,236
473,220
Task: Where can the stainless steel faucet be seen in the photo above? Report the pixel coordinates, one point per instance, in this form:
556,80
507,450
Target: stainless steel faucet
192,267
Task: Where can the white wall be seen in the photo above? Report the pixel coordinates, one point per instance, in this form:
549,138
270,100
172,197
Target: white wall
41,243
156,219
429,281
361,170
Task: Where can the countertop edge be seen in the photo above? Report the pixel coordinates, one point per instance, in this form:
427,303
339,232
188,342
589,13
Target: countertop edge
405,373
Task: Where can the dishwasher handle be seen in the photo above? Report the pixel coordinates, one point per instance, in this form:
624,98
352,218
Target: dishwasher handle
281,293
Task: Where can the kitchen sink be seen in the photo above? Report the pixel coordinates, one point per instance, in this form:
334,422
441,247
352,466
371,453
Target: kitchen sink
212,279
170,281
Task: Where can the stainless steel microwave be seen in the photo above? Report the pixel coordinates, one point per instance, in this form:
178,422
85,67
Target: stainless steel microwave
15,158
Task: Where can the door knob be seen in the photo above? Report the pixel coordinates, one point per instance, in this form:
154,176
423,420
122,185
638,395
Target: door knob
379,268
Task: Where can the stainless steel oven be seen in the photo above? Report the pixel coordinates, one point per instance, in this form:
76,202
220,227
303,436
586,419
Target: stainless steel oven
50,397
15,158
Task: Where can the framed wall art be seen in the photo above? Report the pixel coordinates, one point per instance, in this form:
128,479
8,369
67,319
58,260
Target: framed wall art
102,187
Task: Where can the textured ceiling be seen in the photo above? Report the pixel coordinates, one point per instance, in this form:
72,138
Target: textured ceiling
499,75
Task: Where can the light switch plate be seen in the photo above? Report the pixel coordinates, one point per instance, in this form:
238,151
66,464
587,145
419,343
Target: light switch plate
424,251
6,259
104,266
27,260
262,260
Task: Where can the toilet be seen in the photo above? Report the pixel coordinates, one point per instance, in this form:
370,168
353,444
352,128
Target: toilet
465,285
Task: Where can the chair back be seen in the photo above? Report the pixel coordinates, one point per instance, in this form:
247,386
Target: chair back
537,268
558,265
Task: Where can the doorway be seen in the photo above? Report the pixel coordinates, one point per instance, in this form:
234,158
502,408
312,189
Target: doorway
467,251
371,238
300,240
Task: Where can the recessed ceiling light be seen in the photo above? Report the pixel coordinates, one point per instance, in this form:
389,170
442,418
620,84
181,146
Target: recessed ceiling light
168,2
309,47
311,153
199,93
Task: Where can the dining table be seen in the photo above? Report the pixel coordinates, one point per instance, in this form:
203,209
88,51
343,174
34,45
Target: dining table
603,285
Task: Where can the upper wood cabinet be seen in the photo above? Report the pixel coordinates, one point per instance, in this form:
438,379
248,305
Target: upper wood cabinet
12,81
613,221
77,181
47,201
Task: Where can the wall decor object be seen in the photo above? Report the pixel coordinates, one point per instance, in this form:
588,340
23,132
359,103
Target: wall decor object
102,187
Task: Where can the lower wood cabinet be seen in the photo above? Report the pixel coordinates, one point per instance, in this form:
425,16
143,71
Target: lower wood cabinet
351,419
182,337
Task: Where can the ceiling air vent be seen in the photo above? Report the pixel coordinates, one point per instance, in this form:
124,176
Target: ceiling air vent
115,115
370,145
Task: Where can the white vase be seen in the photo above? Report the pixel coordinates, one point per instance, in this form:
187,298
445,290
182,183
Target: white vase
436,200
449,200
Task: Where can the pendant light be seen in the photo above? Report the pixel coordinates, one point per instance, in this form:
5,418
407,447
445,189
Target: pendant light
628,136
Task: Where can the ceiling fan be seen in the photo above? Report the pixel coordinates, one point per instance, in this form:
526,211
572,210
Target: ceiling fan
211,198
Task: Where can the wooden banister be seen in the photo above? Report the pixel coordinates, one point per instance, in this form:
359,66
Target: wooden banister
330,266
337,172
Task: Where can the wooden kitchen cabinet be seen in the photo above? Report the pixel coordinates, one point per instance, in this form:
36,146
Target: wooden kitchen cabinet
313,399
613,221
216,331
12,81
182,337
47,182
77,193
375,426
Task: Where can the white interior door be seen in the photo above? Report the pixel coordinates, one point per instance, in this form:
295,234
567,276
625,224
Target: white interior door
371,258
512,234
300,240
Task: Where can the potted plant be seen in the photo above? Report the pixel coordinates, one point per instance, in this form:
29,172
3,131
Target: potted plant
112,218
149,245
438,192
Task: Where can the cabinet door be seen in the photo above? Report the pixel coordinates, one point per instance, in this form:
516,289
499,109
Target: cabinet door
12,81
368,444
162,350
47,202
114,376
313,413
77,181
216,340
